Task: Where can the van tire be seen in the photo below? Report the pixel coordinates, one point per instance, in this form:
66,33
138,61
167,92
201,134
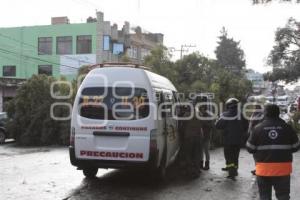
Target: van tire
2,137
90,172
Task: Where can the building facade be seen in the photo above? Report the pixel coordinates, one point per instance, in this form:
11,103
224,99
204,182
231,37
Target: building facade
62,48
257,79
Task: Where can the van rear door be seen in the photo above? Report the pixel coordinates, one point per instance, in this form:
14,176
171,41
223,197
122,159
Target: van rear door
114,124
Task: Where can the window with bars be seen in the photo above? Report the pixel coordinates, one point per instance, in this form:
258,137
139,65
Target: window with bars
45,45
9,70
84,44
45,69
64,45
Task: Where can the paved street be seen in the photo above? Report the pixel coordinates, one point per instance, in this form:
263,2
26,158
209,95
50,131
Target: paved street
45,173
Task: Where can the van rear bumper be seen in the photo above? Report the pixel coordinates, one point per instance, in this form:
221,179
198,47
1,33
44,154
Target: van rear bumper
84,163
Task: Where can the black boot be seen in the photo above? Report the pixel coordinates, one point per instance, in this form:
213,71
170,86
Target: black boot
232,173
225,169
206,167
201,165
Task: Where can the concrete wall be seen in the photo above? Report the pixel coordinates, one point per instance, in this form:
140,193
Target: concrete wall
24,41
19,45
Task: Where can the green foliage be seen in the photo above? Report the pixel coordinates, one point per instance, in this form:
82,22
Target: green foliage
279,74
285,56
229,54
83,70
197,73
125,58
160,63
30,111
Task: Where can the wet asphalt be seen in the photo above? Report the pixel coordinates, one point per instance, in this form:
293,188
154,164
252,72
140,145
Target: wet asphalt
46,173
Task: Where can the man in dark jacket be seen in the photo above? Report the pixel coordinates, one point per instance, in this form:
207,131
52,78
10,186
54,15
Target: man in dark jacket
234,127
192,144
272,142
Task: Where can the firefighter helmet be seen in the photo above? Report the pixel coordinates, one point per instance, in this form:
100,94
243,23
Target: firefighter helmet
231,103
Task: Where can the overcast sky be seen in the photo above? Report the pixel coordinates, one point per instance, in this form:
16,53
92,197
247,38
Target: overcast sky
181,21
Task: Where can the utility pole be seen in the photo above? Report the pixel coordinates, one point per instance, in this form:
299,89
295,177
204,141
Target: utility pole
183,48
173,49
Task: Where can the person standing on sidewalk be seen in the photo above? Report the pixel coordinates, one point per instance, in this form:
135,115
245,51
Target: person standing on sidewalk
234,128
206,128
256,117
272,142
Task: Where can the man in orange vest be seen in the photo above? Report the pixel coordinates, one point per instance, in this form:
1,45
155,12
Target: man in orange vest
272,143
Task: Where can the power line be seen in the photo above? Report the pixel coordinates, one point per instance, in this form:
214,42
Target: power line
183,48
8,58
39,52
34,58
187,49
16,59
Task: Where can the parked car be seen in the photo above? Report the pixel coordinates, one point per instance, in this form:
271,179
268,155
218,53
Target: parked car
3,133
283,102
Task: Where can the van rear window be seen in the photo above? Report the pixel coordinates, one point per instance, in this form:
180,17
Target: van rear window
118,103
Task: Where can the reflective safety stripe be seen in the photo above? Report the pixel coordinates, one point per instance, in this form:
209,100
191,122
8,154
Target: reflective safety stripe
230,165
296,145
251,146
274,147
273,169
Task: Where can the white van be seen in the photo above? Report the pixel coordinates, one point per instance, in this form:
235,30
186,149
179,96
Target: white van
283,102
115,124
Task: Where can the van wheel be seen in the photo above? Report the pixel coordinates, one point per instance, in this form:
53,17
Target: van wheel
90,172
2,137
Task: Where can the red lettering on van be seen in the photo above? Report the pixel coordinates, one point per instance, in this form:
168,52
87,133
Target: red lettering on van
122,155
139,155
108,154
96,154
130,128
132,155
102,154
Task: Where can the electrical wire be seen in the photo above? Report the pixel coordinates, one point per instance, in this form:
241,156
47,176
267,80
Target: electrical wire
21,42
33,58
24,60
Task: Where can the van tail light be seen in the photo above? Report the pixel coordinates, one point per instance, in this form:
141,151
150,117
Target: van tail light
153,140
72,137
